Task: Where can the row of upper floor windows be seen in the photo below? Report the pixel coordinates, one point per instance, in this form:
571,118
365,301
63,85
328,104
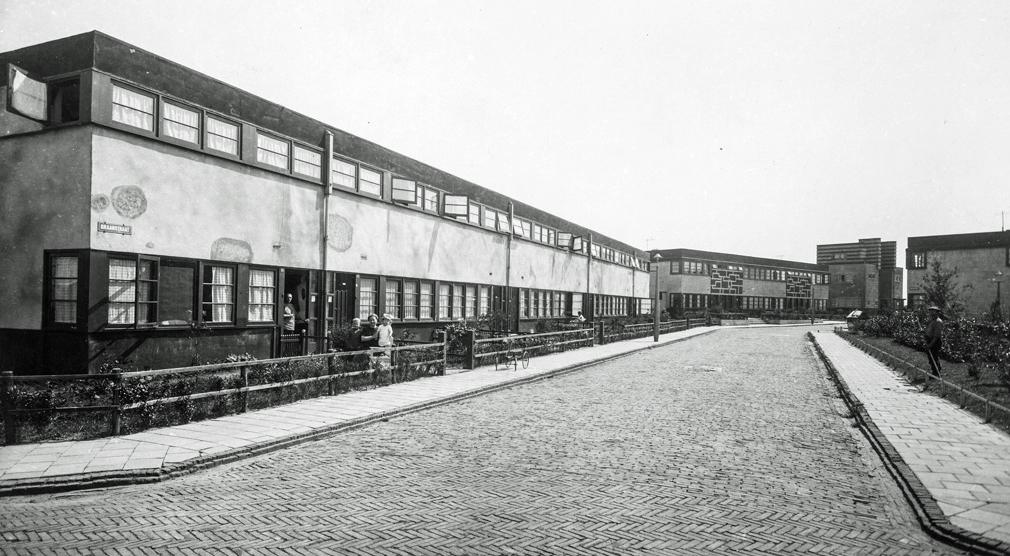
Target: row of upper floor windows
918,260
179,122
748,272
150,113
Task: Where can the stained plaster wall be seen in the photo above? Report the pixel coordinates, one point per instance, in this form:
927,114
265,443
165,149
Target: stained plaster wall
185,204
371,237
540,267
611,279
44,197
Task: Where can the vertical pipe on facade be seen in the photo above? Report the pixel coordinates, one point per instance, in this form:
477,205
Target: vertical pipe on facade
589,264
507,294
325,237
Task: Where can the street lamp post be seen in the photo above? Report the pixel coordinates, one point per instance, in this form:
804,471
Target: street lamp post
655,299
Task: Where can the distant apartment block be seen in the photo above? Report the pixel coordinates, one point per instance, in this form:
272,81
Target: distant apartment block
864,274
982,261
691,280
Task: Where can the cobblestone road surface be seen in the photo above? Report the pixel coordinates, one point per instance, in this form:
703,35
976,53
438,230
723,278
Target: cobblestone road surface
729,443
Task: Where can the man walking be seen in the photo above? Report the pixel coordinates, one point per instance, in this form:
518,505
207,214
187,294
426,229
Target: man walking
934,339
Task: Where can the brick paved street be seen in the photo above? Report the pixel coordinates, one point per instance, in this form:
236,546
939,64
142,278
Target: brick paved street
732,442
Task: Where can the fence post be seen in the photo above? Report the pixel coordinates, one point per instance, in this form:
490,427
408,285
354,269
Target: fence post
442,337
329,373
468,341
7,401
117,383
244,372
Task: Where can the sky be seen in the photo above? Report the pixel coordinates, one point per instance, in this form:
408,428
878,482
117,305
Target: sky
759,128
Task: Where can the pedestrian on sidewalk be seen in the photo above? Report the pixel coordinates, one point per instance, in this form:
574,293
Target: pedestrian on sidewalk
934,339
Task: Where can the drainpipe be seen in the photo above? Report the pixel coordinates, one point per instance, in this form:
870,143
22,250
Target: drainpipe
324,236
589,264
508,268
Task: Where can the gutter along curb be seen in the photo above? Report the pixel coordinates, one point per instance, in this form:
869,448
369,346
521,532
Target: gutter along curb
927,511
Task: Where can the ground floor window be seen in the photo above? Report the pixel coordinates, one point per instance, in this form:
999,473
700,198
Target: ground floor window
218,294
63,288
262,295
367,297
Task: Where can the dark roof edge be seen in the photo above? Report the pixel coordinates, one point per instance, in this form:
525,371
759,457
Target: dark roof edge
732,258
978,240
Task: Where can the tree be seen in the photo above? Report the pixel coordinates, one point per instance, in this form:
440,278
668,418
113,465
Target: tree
941,286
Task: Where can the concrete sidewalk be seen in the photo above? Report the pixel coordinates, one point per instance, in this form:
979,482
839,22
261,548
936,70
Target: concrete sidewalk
953,467
158,454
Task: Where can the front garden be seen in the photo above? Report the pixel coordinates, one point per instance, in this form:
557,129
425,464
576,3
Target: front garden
975,355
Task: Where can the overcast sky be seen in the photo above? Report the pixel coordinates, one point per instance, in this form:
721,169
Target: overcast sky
752,127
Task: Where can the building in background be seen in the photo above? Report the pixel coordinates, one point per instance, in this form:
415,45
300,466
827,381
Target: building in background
692,281
864,275
157,215
982,261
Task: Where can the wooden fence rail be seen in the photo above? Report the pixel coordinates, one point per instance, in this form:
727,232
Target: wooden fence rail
327,370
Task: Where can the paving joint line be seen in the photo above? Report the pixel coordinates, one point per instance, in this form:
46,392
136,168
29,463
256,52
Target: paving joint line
927,510
106,479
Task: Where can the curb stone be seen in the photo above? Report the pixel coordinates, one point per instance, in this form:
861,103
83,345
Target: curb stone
927,511
105,479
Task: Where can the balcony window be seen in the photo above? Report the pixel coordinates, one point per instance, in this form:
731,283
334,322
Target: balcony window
343,173
132,108
180,123
222,136
370,182
307,162
272,151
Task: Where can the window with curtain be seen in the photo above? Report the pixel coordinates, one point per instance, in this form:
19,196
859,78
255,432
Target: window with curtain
63,292
122,291
367,297
524,304
132,108
343,173
426,300
484,301
409,300
180,123
218,294
307,162
443,301
393,298
222,136
262,295
370,181
271,151
471,301
457,301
